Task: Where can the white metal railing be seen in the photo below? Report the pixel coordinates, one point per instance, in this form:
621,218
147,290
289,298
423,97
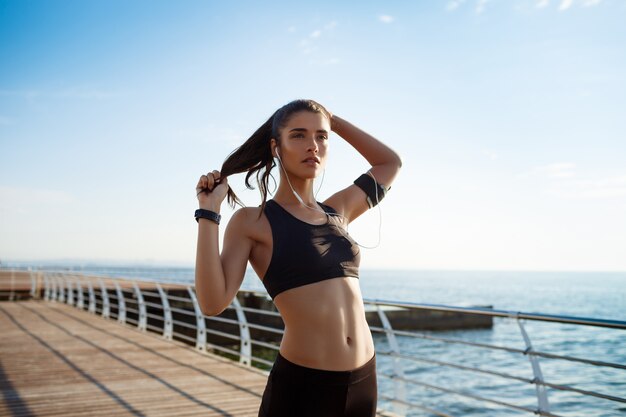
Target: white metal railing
136,303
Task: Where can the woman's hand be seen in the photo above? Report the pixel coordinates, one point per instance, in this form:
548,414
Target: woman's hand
331,120
211,191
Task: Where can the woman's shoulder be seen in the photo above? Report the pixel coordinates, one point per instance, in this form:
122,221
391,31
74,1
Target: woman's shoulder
249,222
250,218
246,214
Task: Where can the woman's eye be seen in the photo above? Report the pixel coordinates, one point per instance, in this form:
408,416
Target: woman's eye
301,135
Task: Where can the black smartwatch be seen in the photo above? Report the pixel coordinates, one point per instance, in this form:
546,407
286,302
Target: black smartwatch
207,214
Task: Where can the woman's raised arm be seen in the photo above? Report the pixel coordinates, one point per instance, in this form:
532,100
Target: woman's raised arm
385,162
218,278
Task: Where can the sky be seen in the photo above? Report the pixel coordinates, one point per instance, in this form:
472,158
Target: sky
508,115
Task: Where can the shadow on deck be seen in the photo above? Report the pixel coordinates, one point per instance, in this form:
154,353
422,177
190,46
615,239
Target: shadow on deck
56,360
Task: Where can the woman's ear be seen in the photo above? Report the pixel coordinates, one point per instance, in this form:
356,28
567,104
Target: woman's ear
274,146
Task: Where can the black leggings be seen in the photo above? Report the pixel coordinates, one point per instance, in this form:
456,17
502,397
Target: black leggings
295,390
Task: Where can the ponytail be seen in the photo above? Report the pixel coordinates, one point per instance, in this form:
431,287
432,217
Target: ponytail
255,155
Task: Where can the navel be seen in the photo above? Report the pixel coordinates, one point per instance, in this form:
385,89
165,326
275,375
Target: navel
348,340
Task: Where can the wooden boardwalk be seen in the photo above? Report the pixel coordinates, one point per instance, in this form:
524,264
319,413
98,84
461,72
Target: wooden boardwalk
57,360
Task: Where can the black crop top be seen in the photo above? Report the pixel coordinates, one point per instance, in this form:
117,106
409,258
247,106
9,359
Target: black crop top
304,253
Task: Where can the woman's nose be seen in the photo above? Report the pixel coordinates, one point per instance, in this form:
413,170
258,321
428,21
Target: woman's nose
313,145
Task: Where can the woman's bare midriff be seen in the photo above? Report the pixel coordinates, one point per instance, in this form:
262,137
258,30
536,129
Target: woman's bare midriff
325,326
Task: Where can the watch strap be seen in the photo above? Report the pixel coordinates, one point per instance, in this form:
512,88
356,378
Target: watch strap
207,214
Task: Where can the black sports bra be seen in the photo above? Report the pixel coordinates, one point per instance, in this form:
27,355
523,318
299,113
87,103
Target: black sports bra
304,253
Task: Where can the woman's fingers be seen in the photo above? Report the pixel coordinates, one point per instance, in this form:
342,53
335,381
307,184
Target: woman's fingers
209,181
213,179
202,183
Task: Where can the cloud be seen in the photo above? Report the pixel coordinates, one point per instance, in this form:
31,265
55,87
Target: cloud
490,154
480,6
309,45
330,61
385,18
554,170
565,182
557,170
306,47
563,5
603,188
454,4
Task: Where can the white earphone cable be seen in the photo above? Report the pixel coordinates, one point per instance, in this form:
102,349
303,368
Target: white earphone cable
330,215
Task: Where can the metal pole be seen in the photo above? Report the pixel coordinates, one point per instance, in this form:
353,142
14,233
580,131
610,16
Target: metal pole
542,396
92,297
244,333
61,289
79,292
33,284
121,305
167,314
12,295
142,322
399,385
46,291
106,307
200,323
70,292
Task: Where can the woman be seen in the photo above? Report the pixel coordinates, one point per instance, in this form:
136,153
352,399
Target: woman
326,365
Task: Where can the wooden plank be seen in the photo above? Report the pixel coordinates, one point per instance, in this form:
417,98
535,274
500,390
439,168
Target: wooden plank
56,360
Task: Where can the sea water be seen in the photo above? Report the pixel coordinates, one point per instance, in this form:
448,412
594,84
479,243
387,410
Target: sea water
599,295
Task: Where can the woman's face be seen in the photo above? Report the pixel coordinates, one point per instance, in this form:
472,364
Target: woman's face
303,143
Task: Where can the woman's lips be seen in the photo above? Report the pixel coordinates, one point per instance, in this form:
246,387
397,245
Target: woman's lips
312,161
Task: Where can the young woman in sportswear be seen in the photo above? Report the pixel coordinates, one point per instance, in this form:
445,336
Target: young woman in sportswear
326,365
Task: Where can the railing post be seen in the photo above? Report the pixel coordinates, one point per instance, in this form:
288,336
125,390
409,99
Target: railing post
70,292
121,305
33,284
40,277
106,307
167,314
12,295
398,384
244,333
143,318
200,323
542,396
60,289
92,297
46,291
53,287
79,293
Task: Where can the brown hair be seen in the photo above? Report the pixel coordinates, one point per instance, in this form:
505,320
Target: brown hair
255,155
